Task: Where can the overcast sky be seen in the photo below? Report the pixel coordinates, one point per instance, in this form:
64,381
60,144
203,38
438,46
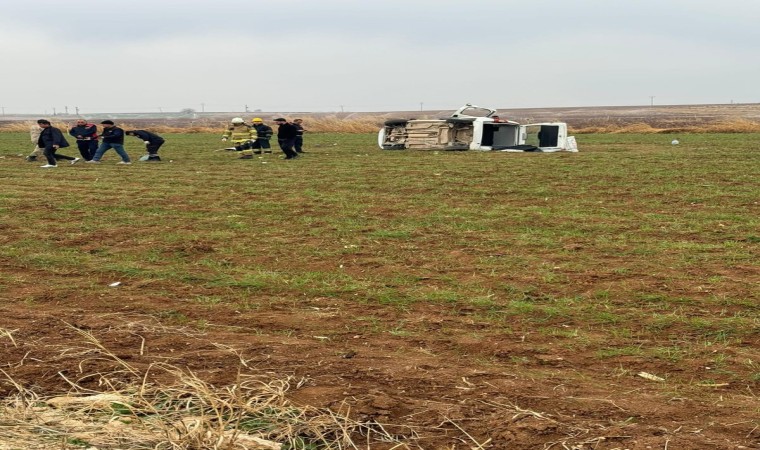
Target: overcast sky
373,55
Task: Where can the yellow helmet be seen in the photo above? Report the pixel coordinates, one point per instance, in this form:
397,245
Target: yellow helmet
257,119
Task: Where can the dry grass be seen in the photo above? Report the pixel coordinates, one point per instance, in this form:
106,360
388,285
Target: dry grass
168,407
157,127
725,126
371,123
325,124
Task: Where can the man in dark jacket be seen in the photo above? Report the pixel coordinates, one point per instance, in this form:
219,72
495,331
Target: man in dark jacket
50,140
286,137
152,143
113,137
263,135
87,138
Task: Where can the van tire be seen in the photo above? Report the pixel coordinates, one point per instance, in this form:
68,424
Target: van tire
395,122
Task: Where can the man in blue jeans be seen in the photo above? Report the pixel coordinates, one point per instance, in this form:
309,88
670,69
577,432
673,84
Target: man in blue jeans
113,137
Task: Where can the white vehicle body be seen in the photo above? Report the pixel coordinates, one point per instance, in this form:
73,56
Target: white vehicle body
475,128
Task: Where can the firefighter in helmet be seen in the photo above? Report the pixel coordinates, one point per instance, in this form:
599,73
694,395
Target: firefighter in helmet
239,132
264,134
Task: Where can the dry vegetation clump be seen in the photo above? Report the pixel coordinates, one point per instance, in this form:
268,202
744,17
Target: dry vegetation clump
167,407
21,127
165,128
725,126
157,127
372,123
732,126
333,124
324,124
641,128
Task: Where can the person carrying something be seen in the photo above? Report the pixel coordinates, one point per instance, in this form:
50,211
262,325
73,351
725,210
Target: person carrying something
239,133
87,138
152,143
50,140
286,137
113,138
34,134
298,123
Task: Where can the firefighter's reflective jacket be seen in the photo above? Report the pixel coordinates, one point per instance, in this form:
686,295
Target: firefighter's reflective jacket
239,133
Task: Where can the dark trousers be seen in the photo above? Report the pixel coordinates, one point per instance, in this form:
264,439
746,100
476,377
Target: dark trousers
287,147
261,143
87,148
153,147
298,144
53,157
256,144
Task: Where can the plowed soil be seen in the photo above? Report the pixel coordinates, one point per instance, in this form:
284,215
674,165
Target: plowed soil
457,383
447,379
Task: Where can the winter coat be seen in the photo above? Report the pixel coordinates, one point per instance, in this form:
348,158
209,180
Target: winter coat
287,131
51,136
239,133
86,131
113,135
153,138
34,133
263,131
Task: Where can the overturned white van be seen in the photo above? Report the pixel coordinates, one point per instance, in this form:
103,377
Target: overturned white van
475,128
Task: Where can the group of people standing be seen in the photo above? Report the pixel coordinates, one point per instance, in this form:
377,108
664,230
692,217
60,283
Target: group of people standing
92,146
254,139
247,139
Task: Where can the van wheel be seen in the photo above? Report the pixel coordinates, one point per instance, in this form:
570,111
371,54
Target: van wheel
393,147
395,122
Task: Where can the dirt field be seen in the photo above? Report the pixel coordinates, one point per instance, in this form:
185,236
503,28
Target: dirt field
447,379
657,116
456,373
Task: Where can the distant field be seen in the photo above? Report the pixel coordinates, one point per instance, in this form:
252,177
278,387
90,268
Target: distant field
359,298
738,118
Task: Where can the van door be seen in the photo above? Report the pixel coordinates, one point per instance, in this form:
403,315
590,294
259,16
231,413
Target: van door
499,136
548,137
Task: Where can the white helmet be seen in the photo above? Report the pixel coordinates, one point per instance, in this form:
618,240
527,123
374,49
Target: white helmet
237,120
